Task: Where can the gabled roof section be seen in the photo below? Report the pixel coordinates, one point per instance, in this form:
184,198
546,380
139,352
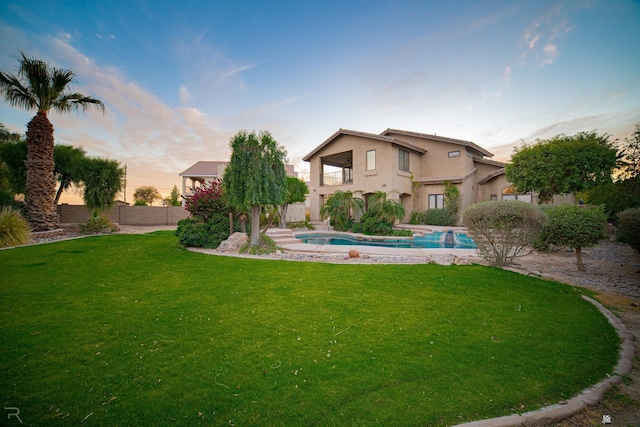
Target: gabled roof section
492,175
439,138
203,169
490,162
383,138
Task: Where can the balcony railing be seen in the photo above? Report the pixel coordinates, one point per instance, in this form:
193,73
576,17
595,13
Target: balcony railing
332,179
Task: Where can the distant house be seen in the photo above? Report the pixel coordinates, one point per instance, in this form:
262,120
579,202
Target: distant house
410,167
204,172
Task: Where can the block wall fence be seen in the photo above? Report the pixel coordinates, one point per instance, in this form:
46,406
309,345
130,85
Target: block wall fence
126,215
150,215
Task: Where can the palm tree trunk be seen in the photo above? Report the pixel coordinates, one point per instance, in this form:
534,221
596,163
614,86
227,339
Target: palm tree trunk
41,184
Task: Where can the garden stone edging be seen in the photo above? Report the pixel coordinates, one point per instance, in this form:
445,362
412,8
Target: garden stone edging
587,397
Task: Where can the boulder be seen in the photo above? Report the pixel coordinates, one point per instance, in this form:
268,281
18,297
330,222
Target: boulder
354,253
233,243
442,259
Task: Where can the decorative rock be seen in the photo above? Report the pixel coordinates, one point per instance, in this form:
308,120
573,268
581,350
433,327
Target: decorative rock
443,259
462,261
233,243
354,253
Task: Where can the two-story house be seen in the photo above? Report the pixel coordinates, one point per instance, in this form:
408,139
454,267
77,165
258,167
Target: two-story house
410,167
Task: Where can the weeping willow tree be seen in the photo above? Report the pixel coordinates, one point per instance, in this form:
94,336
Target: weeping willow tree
255,176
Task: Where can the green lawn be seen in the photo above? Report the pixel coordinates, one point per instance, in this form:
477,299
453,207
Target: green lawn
134,330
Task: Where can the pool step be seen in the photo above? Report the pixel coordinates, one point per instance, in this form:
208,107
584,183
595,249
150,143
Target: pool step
282,236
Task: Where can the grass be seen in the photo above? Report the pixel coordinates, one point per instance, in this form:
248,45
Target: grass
134,330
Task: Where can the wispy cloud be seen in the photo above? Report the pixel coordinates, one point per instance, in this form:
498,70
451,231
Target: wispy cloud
541,38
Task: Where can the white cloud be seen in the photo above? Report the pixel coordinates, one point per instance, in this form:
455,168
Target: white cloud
183,94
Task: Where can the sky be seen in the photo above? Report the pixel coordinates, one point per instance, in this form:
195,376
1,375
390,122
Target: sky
179,79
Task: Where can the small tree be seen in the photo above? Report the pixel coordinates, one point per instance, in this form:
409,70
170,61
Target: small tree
174,197
296,193
502,230
146,195
102,180
574,226
68,167
255,176
562,165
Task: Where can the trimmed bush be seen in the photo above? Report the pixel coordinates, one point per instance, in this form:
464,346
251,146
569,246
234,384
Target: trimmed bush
442,217
574,226
14,229
629,227
503,230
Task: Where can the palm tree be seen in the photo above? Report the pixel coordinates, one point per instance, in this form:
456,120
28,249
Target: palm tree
341,208
40,87
385,210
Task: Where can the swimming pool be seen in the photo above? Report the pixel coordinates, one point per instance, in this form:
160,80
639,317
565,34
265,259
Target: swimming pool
435,240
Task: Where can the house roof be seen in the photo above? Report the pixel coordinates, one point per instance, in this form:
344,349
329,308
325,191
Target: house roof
383,138
490,162
439,138
203,168
492,175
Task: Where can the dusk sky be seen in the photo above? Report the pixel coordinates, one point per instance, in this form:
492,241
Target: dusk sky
180,78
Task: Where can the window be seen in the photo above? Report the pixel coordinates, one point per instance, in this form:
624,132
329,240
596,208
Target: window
494,197
403,160
436,201
454,153
511,194
371,160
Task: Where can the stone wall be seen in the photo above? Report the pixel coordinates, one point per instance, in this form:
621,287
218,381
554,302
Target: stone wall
126,215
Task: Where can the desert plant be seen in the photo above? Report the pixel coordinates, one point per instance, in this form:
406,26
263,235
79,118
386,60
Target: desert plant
629,227
14,229
502,230
370,223
451,198
98,224
574,226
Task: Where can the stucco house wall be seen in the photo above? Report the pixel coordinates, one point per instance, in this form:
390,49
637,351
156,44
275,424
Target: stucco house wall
432,161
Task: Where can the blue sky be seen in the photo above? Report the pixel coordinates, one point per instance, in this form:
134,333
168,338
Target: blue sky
180,78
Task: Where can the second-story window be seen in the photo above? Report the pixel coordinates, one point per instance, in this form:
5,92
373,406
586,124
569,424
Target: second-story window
403,160
371,160
454,153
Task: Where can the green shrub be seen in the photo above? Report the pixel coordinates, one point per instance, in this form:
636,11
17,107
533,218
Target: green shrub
302,224
417,218
98,224
502,230
574,226
140,203
193,232
14,229
439,217
629,227
373,225
356,227
443,217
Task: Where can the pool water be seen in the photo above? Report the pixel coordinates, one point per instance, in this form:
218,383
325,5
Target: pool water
433,240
